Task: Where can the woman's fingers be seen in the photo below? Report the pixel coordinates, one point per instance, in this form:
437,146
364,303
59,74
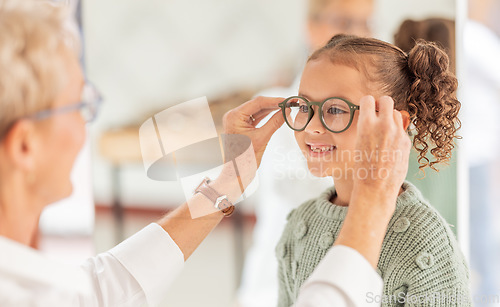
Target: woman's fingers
385,106
243,119
379,111
259,116
250,113
259,104
382,133
366,109
398,119
271,126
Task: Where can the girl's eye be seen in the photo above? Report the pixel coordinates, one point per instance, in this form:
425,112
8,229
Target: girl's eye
335,110
304,108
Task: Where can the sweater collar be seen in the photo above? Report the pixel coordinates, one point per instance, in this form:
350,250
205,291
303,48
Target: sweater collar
335,212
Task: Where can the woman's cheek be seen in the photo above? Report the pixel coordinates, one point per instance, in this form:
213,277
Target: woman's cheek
76,132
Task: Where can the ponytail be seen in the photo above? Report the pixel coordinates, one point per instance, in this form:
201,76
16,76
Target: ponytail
420,82
432,103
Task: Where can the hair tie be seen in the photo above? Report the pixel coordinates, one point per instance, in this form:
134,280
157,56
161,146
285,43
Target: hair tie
407,56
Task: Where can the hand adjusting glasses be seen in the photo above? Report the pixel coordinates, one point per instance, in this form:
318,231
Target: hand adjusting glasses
336,113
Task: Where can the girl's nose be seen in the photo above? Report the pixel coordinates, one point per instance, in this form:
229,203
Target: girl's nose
315,126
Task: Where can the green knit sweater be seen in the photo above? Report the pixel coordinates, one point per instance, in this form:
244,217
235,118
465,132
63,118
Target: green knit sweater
421,263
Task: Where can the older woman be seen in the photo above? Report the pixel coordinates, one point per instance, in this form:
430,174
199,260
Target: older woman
45,103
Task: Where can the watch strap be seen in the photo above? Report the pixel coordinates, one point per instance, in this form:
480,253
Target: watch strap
221,202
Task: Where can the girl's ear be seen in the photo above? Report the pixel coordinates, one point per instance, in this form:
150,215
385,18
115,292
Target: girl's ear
406,119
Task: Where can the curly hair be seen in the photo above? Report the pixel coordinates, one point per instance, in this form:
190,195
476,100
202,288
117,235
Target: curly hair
420,82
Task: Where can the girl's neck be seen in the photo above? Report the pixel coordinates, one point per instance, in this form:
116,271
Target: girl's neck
343,191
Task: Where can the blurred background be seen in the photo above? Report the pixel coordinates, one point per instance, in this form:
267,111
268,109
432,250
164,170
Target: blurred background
145,56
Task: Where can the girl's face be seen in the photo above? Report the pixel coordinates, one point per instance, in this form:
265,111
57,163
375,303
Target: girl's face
322,79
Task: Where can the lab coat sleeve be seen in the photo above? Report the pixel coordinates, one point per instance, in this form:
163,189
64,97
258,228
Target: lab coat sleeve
343,278
136,272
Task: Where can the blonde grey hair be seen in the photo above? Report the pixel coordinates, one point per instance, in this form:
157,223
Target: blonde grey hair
32,33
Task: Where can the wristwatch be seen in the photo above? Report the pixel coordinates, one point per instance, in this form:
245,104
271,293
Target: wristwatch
221,202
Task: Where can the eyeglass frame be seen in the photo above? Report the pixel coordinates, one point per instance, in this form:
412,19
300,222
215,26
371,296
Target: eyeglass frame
319,104
78,106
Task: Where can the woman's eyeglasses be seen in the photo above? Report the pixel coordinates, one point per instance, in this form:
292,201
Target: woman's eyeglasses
336,113
88,106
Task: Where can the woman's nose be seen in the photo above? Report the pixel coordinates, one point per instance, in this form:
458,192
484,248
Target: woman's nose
315,126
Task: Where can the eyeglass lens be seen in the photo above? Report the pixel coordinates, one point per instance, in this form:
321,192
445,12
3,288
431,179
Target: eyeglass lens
336,114
90,99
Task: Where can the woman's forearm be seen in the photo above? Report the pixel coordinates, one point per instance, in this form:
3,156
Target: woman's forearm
366,222
373,199
189,224
188,233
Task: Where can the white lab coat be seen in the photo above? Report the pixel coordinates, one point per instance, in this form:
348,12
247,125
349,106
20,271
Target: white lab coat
139,271
134,273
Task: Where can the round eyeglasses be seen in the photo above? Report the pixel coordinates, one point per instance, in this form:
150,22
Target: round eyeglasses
88,106
336,113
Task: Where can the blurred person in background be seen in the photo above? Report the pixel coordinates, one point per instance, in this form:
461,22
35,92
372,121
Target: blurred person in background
285,181
481,108
438,30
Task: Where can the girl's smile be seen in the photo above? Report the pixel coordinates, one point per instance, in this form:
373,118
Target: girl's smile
318,150
322,79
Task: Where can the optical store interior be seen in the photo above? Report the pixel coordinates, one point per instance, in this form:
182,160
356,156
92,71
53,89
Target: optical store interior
148,56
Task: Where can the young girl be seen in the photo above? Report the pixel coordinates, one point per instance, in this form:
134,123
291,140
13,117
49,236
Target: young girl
421,263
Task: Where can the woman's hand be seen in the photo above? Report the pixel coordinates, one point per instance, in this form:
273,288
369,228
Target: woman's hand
385,149
384,146
243,119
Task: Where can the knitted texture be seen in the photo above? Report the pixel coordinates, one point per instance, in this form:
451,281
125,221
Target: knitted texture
420,263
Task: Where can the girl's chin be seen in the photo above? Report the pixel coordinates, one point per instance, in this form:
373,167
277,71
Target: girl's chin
319,170
319,174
